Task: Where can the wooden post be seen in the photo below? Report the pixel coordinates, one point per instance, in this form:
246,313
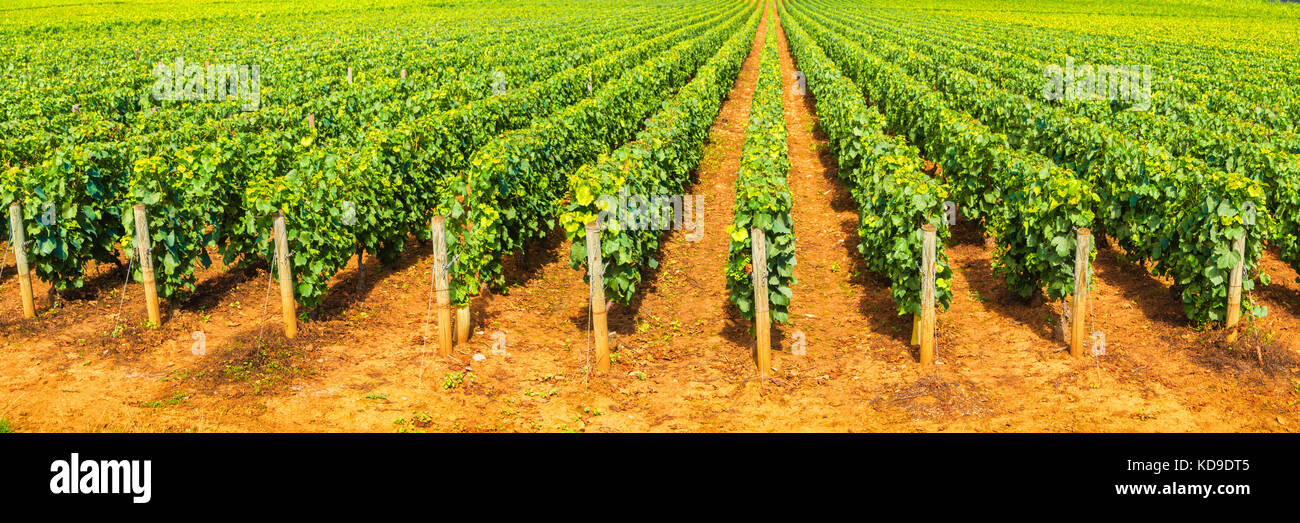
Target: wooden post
361,268
927,294
440,284
288,307
1234,288
762,319
596,273
1065,324
311,120
1079,309
144,251
17,240
403,74
462,325
349,76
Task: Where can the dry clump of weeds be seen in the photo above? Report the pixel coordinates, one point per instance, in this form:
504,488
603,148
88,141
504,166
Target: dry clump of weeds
935,397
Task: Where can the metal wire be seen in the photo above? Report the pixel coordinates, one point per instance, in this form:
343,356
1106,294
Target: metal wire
428,313
270,272
1092,318
1250,298
591,334
130,264
5,259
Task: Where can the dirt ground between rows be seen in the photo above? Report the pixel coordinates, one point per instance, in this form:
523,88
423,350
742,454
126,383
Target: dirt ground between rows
683,353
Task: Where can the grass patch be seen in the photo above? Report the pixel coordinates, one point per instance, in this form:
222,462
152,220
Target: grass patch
264,370
455,379
173,401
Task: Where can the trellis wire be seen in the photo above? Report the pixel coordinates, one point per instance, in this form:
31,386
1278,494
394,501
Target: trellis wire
428,313
266,301
5,259
591,336
130,264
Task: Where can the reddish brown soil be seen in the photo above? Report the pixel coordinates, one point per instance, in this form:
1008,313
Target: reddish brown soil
683,354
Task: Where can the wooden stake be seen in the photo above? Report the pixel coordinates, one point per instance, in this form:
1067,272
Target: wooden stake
762,319
288,306
596,273
403,74
927,294
462,325
916,329
349,76
311,120
1079,309
361,268
1234,288
440,285
17,240
1064,324
144,251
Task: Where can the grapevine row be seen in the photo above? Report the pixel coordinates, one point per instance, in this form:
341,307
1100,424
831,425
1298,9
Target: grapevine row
884,175
763,199
658,163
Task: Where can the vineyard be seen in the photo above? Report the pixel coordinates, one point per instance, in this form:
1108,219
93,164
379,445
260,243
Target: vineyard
683,215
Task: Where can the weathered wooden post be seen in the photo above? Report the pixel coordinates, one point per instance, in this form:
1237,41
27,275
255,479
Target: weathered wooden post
1079,308
927,294
440,284
462,325
288,306
762,319
361,267
1234,288
144,251
596,275
18,240
463,318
